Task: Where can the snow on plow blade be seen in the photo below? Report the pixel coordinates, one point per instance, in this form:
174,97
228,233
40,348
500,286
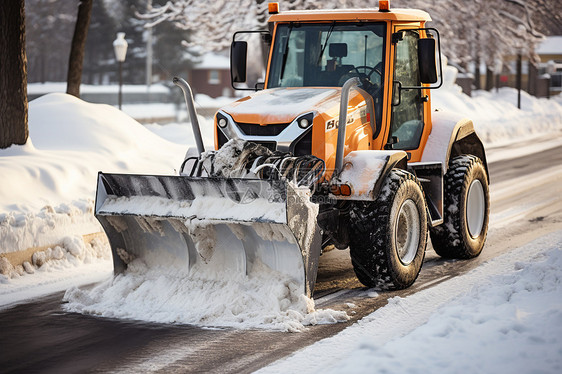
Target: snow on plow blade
218,224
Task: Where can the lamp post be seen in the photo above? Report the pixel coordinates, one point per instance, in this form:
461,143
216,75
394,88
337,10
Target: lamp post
120,48
521,31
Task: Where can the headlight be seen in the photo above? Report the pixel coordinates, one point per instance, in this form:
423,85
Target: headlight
222,122
304,123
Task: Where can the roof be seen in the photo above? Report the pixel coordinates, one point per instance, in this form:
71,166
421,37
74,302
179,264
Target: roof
552,45
213,61
372,14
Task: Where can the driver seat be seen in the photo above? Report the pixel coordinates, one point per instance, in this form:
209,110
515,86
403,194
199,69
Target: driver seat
337,51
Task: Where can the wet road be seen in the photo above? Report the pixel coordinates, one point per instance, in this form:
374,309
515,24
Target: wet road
40,337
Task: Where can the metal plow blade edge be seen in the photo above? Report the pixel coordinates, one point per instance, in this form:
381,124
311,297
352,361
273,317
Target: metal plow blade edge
216,224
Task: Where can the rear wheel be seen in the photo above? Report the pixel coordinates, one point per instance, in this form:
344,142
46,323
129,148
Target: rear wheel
466,210
389,235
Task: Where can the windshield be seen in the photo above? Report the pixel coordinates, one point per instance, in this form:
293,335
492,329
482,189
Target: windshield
327,54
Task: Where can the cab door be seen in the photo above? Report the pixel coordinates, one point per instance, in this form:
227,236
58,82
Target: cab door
407,115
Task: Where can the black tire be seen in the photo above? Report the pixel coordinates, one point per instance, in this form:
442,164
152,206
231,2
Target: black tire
466,210
380,255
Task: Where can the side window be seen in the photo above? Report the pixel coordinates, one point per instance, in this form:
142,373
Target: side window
407,117
214,77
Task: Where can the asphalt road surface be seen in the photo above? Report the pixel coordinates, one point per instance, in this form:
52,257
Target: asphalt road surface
41,337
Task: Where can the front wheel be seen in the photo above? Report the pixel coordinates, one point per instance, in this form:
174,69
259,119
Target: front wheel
466,210
388,236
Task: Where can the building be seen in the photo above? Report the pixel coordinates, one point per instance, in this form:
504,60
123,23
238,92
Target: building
550,53
211,76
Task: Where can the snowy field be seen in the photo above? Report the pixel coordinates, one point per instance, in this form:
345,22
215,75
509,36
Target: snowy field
47,204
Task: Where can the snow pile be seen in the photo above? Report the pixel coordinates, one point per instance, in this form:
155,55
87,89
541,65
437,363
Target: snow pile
495,114
60,87
72,250
49,183
202,207
263,299
55,268
21,230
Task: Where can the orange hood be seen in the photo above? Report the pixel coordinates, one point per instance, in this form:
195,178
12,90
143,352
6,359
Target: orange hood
282,105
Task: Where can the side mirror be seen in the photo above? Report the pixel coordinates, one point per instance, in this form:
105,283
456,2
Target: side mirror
238,53
426,60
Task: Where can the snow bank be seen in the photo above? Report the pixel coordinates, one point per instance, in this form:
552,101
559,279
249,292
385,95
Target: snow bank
55,269
507,317
495,114
49,183
263,299
60,87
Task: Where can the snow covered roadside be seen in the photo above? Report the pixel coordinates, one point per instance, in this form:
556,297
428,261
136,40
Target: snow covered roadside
73,263
495,115
504,316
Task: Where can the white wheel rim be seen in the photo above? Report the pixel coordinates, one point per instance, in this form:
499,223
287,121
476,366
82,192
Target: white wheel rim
407,232
475,208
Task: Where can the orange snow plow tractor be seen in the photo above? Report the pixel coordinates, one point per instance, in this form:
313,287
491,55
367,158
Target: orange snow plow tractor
337,147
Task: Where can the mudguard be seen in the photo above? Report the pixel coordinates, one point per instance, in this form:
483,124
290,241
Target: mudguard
451,136
364,171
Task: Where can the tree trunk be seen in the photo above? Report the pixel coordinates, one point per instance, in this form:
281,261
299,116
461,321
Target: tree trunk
489,78
477,78
13,74
78,47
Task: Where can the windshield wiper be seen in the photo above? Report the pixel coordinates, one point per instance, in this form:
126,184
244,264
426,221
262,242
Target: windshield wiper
326,43
286,51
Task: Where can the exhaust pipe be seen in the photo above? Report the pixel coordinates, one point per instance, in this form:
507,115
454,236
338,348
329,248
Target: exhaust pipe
188,96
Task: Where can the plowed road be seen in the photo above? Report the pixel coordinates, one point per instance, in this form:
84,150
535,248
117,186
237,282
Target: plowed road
40,337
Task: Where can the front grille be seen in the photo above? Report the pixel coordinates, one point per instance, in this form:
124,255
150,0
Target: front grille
303,146
221,138
270,145
257,130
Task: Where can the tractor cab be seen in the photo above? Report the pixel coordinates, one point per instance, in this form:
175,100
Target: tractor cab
389,51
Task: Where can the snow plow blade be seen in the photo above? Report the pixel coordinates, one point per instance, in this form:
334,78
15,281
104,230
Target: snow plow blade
217,224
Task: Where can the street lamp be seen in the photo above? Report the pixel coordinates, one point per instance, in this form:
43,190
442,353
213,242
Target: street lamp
120,48
521,31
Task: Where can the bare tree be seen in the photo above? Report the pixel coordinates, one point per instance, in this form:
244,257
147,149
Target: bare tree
49,25
202,19
489,26
13,74
473,31
78,47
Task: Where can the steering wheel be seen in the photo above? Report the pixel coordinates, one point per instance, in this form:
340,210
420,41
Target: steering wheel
365,76
370,68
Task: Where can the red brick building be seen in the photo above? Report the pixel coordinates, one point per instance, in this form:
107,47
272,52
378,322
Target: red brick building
211,76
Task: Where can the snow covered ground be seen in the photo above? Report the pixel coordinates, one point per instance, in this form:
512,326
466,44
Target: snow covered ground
503,317
47,203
